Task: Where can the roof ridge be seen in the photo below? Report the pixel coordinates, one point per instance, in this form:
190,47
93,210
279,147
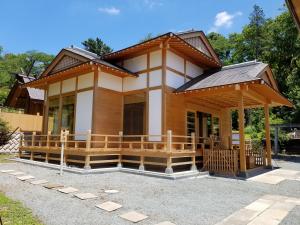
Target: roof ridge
248,63
84,50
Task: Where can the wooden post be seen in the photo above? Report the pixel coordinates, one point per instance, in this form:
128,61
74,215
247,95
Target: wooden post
87,165
66,138
193,140
120,148
88,140
105,142
241,113
62,142
142,160
268,137
48,139
33,139
169,140
142,142
169,169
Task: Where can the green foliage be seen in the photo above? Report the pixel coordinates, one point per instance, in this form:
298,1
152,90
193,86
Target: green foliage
273,41
147,38
31,61
14,213
96,46
221,45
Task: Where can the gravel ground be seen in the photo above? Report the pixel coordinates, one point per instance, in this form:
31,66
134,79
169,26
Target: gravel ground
185,202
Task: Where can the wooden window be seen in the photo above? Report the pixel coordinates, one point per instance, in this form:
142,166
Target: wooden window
134,114
191,122
67,115
53,115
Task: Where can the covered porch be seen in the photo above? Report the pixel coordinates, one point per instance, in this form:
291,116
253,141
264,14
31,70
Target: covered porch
228,90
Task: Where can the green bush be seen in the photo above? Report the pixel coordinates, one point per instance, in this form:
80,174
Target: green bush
4,132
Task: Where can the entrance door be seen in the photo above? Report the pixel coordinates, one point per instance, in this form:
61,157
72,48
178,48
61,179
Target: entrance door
134,118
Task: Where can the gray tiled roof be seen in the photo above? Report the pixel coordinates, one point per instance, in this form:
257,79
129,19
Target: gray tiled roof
232,74
34,93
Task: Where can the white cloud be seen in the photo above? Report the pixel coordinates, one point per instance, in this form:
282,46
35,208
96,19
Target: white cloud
110,10
224,19
152,3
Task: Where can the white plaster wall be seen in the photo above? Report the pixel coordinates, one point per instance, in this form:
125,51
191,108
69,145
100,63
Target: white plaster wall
84,110
174,80
68,85
155,78
155,114
136,64
135,83
155,58
110,81
193,70
54,89
86,80
175,62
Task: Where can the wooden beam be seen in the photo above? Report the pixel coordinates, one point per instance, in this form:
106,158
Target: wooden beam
250,93
241,113
268,137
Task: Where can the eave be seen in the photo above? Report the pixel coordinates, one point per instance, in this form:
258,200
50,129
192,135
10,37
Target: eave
171,40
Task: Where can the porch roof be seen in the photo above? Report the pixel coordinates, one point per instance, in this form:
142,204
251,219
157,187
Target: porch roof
222,88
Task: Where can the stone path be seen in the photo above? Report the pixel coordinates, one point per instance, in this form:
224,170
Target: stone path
268,210
277,176
108,206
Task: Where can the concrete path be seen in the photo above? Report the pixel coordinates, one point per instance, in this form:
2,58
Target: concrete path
276,176
268,210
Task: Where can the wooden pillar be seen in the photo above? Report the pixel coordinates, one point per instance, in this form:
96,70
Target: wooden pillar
169,140
120,148
142,166
268,136
87,162
241,113
194,149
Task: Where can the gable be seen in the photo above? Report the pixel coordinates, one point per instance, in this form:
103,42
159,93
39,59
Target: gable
198,43
65,63
268,77
64,59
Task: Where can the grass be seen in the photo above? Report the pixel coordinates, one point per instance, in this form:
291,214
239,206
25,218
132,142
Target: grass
14,213
4,157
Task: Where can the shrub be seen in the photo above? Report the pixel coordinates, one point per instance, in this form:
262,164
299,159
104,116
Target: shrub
4,132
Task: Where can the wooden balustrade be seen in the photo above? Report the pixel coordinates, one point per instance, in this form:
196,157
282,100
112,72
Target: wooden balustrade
88,141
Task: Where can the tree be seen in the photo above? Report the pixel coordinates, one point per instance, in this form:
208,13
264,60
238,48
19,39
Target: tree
96,46
254,32
221,45
10,63
146,38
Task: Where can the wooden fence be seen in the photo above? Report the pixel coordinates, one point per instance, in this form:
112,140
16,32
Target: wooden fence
25,122
221,161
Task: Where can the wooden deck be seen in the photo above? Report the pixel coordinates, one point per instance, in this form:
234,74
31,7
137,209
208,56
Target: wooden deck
157,152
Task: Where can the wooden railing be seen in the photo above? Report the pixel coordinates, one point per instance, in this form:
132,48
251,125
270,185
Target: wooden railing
88,141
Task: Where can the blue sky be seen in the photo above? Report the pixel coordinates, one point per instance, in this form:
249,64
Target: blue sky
53,24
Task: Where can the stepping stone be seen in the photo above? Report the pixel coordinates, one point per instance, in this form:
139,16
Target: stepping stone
166,223
23,178
111,191
7,171
39,182
109,206
17,173
84,196
67,190
53,186
133,216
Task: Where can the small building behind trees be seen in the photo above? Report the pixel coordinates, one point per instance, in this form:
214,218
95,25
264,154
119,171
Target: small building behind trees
29,99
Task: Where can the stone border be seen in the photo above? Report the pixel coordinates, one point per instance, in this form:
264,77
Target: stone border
174,176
